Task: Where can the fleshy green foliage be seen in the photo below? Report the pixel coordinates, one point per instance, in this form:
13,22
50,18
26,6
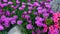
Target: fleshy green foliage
49,21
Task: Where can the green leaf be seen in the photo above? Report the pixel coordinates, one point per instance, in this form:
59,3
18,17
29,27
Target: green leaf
49,21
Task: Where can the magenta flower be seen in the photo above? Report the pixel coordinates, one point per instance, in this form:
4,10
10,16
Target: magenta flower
29,21
6,24
29,26
23,6
35,4
20,8
29,4
15,17
27,16
55,17
3,5
23,3
10,2
1,27
53,30
25,12
30,8
39,23
44,10
56,25
45,28
12,6
29,12
38,31
39,19
40,12
3,17
17,1
47,5
5,0
13,12
35,13
23,16
33,32
13,22
46,15
39,8
7,13
19,22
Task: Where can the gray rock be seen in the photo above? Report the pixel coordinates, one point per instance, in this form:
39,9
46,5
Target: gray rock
15,30
55,4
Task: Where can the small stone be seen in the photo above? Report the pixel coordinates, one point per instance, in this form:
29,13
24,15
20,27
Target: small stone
15,30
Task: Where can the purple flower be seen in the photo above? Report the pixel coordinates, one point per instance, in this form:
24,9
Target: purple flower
44,10
13,12
6,23
23,3
25,12
20,8
23,16
29,4
23,6
35,4
47,5
27,16
10,2
5,0
1,27
35,13
30,8
45,15
16,6
51,11
38,23
17,1
29,21
12,6
33,32
19,22
0,21
5,4
29,12
13,22
29,0
40,12
1,12
8,13
3,17
39,19
29,26
15,17
39,8
54,31
45,28
38,31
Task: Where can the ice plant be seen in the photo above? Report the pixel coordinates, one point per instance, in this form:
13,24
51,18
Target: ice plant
19,22
29,26
34,16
